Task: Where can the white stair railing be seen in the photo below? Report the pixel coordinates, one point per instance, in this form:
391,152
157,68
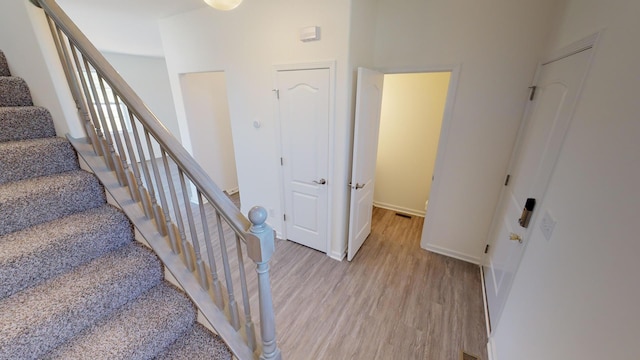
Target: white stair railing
188,209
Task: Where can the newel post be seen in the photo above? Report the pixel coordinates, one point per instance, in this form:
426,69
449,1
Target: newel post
260,246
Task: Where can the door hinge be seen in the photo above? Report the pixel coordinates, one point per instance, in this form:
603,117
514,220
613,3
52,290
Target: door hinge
277,92
281,162
506,181
284,216
486,249
532,94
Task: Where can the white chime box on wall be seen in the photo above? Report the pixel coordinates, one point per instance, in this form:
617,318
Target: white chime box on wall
311,33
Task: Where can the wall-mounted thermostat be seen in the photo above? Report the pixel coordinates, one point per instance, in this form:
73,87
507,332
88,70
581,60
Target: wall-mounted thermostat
311,33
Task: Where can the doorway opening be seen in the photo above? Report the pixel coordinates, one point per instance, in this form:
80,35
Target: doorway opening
399,120
209,125
413,106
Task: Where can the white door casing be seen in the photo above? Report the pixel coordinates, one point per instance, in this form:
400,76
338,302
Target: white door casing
365,150
538,147
304,110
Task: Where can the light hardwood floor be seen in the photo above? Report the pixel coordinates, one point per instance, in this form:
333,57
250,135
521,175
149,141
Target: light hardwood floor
393,301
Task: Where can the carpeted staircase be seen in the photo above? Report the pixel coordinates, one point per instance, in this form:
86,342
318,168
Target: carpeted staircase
73,282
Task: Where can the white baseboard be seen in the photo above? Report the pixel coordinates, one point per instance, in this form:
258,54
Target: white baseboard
194,198
491,350
490,344
451,253
233,190
484,302
399,209
338,255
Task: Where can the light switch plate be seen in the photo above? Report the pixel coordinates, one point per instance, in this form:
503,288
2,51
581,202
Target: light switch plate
547,225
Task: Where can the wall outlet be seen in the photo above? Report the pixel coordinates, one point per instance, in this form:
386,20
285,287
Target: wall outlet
547,225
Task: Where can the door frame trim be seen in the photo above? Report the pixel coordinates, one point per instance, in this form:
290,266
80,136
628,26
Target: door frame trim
331,66
447,120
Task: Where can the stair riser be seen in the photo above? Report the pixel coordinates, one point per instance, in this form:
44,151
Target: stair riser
25,122
162,315
36,201
42,252
32,158
14,92
197,343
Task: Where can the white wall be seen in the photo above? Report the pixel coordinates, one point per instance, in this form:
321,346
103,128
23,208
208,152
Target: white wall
148,77
27,44
497,43
576,296
246,43
410,122
207,111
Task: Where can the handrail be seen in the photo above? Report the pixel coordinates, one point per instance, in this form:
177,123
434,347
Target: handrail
213,194
139,166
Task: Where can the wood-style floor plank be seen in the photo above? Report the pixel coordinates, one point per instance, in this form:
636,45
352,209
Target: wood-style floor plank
393,301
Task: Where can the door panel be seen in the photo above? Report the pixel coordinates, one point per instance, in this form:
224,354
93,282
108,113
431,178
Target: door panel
304,123
307,206
538,148
365,150
364,212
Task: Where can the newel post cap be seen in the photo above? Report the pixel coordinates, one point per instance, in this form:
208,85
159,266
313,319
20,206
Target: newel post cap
261,239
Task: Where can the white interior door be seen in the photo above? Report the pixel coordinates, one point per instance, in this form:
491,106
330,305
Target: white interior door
304,124
365,150
538,148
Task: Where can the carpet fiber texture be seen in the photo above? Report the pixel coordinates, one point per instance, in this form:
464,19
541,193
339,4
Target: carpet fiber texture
73,282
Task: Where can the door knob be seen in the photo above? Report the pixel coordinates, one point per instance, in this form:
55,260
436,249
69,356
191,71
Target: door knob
515,237
358,186
320,182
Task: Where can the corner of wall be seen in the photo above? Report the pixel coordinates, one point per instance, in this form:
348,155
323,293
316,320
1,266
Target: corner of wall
62,106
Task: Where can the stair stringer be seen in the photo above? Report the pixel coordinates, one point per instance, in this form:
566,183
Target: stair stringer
175,271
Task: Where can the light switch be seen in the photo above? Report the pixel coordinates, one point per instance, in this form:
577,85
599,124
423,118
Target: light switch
547,225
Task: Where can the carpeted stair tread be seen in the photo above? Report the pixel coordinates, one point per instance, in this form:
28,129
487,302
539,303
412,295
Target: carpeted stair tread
39,319
161,316
33,255
36,157
197,343
25,122
14,92
34,201
4,67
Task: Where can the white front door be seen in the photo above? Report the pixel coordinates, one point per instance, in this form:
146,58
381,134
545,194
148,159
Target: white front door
365,150
534,158
304,124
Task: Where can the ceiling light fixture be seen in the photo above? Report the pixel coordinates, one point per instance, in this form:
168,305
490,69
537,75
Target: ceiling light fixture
223,5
